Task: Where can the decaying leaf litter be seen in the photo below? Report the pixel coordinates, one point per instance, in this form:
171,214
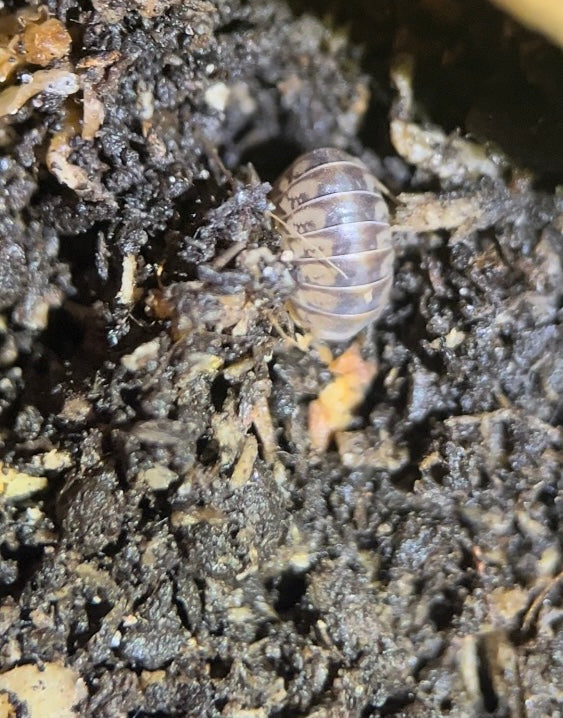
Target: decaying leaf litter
169,536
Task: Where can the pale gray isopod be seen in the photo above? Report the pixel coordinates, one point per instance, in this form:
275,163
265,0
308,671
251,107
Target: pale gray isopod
334,220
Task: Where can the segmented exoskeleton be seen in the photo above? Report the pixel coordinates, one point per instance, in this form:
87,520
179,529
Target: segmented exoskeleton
333,218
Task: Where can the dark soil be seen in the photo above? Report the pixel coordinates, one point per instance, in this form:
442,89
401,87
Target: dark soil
414,568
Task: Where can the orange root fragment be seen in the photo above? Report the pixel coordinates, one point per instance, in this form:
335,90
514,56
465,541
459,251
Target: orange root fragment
333,410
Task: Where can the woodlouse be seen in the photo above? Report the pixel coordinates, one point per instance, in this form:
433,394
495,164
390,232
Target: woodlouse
334,220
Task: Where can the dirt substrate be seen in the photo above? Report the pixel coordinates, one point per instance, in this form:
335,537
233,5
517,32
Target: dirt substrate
170,542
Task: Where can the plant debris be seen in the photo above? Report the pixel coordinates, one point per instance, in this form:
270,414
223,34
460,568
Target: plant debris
332,411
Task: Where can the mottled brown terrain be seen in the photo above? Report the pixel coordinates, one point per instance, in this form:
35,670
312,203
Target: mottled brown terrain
168,533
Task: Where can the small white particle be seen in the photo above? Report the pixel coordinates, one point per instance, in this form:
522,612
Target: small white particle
217,95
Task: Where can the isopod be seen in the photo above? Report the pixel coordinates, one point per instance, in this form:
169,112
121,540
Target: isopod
335,222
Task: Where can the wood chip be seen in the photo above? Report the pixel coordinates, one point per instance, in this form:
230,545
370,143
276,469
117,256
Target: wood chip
16,485
51,692
333,410
245,465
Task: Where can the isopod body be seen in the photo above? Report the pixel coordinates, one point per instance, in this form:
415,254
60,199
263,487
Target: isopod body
334,220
